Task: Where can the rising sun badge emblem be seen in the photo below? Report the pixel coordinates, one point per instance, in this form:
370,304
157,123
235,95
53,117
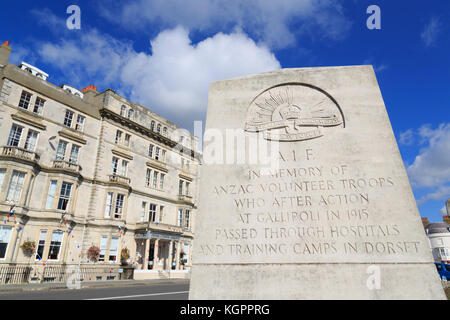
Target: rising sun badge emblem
293,112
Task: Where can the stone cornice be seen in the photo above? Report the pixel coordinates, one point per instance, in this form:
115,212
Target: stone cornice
108,114
77,137
24,117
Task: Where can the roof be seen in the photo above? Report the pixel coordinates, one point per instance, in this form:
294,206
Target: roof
441,227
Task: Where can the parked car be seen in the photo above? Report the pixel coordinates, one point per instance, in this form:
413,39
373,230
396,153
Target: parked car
443,270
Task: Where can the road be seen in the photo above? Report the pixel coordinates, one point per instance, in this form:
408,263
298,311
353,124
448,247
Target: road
168,290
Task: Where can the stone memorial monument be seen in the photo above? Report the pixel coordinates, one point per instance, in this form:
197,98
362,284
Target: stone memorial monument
304,195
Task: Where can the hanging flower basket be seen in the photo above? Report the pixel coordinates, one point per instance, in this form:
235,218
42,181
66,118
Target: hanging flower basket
28,247
93,253
124,255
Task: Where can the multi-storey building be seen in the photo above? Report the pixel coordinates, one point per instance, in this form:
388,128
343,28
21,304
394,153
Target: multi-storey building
439,237
83,169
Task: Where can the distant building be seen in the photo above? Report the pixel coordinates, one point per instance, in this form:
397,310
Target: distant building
439,237
82,169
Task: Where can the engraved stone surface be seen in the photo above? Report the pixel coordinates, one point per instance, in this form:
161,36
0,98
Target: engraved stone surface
333,218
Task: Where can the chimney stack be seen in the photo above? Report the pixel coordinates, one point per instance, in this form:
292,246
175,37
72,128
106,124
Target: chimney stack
5,51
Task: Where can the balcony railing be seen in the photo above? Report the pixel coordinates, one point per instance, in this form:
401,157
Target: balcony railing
18,153
119,179
66,165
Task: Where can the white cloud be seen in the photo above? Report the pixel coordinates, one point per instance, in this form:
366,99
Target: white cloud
431,168
407,137
274,22
173,80
431,31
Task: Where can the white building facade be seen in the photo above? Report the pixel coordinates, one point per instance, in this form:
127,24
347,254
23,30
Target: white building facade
91,178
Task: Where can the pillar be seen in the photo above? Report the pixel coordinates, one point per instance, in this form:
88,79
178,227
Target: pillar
170,254
155,256
146,254
177,255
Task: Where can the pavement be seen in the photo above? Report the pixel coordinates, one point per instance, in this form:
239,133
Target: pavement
100,290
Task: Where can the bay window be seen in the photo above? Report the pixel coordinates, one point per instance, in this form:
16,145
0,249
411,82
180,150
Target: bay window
113,249
41,245
55,245
5,236
14,135
15,186
64,196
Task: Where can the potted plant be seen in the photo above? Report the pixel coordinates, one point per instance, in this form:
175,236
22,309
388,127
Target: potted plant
28,247
93,253
124,255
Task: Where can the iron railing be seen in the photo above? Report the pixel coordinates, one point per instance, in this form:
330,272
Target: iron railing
18,273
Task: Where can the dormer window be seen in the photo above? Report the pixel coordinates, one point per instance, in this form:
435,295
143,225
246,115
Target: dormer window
152,125
29,70
123,111
130,113
158,129
165,131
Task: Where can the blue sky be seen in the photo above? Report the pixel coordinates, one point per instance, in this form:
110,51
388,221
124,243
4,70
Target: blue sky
145,49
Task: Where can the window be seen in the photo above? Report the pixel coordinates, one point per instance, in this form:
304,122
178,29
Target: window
187,188
158,128
55,245
15,186
79,126
64,196
38,105
186,253
68,118
152,126
41,245
14,135
30,142
124,169
186,219
113,249
25,100
119,206
108,205
163,158
150,150
123,110
144,207
2,178
157,153
444,253
103,245
161,181
152,212
130,113
118,136
127,140
51,194
74,154
180,217
155,179
161,213
180,187
61,151
115,164
148,177
5,235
